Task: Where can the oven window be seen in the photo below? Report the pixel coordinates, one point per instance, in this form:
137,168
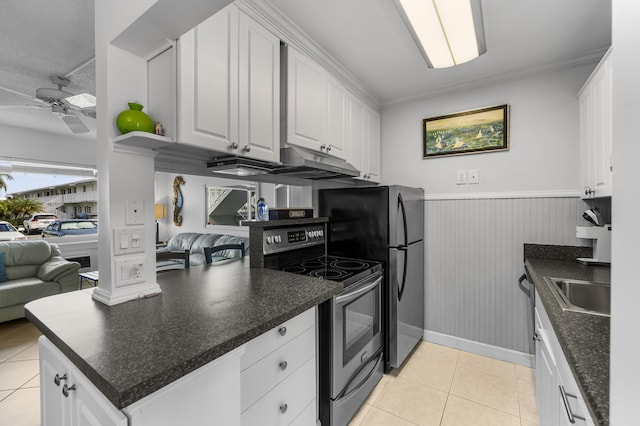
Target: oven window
361,323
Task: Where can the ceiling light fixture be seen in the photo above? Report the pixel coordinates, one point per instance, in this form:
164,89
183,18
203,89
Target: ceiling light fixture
83,100
447,32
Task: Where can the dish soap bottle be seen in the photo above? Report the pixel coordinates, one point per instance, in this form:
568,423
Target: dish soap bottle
263,210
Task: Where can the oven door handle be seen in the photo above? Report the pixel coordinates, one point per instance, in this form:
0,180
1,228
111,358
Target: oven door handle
345,394
346,298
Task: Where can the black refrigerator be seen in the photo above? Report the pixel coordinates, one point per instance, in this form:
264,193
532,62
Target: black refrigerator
384,223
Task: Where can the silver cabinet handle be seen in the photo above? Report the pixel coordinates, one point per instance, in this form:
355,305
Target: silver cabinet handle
246,148
323,147
572,417
57,379
233,145
283,365
66,389
283,408
282,331
589,191
536,336
328,148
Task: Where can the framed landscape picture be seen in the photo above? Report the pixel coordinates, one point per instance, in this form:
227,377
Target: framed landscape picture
468,132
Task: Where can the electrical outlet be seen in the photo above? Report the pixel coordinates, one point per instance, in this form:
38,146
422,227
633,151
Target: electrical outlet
461,177
129,271
474,177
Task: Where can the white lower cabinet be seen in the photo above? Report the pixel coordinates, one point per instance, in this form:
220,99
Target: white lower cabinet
560,401
278,379
68,398
269,381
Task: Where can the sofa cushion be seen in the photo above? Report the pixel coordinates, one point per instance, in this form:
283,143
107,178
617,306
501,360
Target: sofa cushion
3,271
182,242
17,292
230,239
205,240
21,271
28,252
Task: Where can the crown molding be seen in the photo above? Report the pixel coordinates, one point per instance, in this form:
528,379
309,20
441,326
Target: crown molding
284,28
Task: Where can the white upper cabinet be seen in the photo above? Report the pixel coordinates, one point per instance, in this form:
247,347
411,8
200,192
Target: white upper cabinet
595,117
229,87
363,130
335,127
305,101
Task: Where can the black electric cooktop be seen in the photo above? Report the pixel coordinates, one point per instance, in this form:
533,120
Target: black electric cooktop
342,269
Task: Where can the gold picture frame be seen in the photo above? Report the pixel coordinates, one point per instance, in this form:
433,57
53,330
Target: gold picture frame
469,132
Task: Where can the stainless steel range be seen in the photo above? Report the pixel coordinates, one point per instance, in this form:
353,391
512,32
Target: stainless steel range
350,324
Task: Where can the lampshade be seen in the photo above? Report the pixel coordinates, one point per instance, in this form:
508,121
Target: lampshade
447,32
160,211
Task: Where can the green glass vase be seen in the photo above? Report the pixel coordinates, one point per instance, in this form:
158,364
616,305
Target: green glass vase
133,119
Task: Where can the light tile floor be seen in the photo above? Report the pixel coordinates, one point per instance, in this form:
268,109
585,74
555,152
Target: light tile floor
439,385
436,386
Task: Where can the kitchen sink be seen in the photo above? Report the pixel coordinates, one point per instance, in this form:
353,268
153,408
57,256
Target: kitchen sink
581,296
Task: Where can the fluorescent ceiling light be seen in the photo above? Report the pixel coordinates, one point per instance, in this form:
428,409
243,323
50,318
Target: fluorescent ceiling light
83,100
447,32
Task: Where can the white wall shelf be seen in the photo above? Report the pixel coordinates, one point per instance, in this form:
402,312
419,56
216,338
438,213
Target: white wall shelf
142,140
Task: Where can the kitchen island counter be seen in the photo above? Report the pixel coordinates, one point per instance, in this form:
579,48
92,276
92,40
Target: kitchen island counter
584,338
130,350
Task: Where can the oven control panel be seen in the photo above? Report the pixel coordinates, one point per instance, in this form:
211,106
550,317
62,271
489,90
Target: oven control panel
285,239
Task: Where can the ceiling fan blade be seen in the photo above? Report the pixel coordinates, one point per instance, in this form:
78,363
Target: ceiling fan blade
24,106
74,124
24,95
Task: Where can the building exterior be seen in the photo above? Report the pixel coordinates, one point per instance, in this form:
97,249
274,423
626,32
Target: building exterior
68,201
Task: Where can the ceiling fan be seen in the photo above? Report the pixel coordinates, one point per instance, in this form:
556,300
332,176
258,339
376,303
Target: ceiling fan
57,99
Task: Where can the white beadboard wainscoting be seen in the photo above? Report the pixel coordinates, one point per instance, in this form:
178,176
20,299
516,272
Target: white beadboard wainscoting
474,256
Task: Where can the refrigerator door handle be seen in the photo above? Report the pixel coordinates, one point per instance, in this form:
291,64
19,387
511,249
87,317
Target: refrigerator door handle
404,220
404,272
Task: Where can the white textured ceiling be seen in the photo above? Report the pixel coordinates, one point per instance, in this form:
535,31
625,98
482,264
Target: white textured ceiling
42,38
369,39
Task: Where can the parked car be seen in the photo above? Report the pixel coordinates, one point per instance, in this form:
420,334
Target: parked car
38,221
9,233
60,228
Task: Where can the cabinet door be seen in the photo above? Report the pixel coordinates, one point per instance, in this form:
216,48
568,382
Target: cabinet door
335,125
585,106
372,143
545,381
305,101
356,133
90,407
208,83
55,408
259,91
601,91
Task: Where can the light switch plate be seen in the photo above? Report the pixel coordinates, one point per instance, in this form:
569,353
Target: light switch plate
461,177
128,240
134,214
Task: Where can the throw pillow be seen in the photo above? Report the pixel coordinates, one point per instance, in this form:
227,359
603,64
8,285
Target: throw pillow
3,270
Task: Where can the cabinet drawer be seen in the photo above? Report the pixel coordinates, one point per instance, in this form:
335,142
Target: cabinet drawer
265,374
266,343
285,402
307,417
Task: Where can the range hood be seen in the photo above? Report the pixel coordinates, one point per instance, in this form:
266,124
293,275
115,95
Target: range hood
296,162
307,164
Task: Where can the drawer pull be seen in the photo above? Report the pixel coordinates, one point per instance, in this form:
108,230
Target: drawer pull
283,408
283,365
66,389
282,331
59,378
572,417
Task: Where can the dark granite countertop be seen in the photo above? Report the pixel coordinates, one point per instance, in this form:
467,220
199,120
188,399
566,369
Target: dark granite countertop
131,350
584,338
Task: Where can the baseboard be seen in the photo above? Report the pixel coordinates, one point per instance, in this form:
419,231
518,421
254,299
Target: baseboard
119,295
478,348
